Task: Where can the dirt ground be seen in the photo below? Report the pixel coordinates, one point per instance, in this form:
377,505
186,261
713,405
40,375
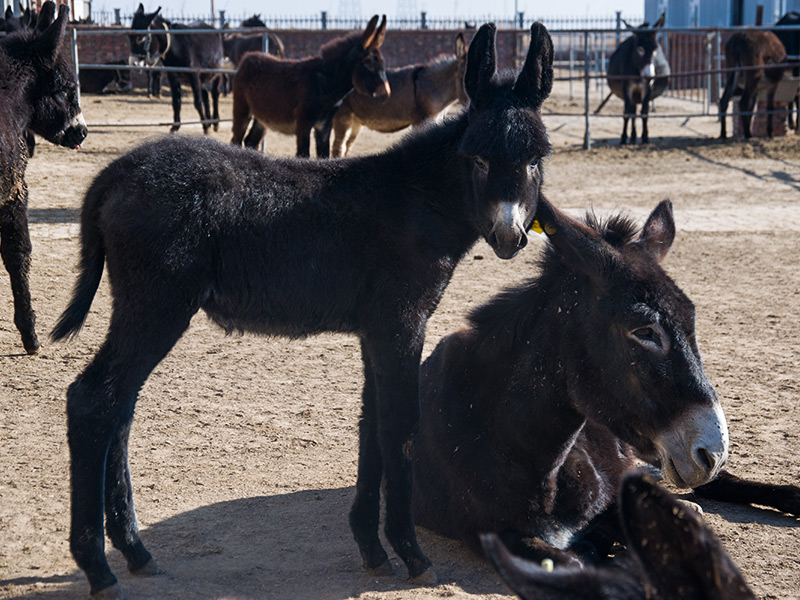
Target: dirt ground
243,451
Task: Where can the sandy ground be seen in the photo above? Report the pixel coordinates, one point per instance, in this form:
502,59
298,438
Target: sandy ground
243,450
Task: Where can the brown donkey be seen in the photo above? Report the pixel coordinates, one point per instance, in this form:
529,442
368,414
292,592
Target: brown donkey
419,93
295,96
751,53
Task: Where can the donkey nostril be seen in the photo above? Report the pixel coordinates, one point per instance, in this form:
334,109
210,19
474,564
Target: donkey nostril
523,241
705,458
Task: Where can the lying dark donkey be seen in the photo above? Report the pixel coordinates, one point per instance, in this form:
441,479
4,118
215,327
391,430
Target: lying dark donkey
532,414
194,50
419,93
186,224
672,555
38,94
296,96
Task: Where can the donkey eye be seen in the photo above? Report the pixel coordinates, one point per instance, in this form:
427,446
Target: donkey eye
482,164
651,337
534,166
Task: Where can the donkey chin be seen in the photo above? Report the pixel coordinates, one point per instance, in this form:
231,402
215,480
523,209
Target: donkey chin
73,134
694,448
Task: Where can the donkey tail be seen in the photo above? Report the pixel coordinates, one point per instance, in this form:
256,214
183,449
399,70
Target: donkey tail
93,256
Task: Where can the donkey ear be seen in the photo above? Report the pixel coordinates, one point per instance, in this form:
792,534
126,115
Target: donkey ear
532,582
9,12
47,43
481,64
461,47
535,81
45,16
659,231
380,34
680,556
660,22
369,32
580,246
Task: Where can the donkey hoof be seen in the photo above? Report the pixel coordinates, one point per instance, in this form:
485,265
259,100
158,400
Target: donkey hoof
149,569
31,345
427,577
112,592
385,568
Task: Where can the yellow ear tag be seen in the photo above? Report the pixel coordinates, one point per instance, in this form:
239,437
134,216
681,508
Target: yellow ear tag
535,226
547,564
548,228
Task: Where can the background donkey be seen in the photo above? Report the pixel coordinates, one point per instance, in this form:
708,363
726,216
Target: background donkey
419,92
749,54
638,72
185,224
38,95
236,45
194,50
672,554
296,96
791,43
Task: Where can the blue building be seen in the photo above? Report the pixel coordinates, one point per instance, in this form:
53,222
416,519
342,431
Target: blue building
716,13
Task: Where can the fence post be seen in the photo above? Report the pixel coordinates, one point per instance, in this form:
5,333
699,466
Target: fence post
571,65
265,42
324,19
521,19
423,20
117,17
718,60
75,62
587,136
619,29
709,51
222,19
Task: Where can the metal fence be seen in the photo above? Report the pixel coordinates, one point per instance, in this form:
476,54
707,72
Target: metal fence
422,20
580,58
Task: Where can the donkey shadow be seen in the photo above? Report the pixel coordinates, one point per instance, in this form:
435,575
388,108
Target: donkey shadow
286,546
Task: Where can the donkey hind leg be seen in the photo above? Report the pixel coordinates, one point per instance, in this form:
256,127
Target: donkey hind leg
200,96
629,115
255,135
730,87
397,412
175,91
365,513
322,139
100,407
354,131
215,89
241,117
729,488
15,248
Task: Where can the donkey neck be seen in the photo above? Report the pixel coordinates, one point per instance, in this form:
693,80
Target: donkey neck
437,83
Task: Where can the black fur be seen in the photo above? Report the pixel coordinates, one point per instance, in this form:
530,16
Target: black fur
283,247
38,94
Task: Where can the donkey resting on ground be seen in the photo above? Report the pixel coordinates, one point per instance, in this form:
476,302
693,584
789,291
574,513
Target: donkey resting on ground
750,54
296,96
185,224
419,92
638,72
195,50
672,554
531,415
38,94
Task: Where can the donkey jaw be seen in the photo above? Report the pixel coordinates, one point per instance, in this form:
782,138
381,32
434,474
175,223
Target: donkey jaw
695,448
508,236
73,134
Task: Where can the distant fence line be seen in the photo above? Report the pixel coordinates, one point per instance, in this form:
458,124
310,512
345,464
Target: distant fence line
421,21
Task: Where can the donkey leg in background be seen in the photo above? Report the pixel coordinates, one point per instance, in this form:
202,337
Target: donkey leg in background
200,96
645,113
397,409
746,105
365,512
322,139
342,122
730,87
729,488
215,89
354,131
241,118
770,108
256,134
175,90
303,134
15,248
628,115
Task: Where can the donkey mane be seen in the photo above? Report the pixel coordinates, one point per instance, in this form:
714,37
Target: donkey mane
503,322
333,49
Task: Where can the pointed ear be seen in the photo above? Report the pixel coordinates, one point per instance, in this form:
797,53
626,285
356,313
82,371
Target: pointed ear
369,32
9,12
461,47
660,22
680,556
531,582
535,81
579,246
141,8
47,43
45,19
481,65
659,231
380,34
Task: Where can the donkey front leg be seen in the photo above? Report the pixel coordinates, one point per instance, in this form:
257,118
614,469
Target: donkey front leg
397,415
15,248
645,113
200,96
175,90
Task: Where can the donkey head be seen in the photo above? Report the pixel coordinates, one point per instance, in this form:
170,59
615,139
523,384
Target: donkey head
631,333
505,140
144,46
369,74
645,47
56,114
673,555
